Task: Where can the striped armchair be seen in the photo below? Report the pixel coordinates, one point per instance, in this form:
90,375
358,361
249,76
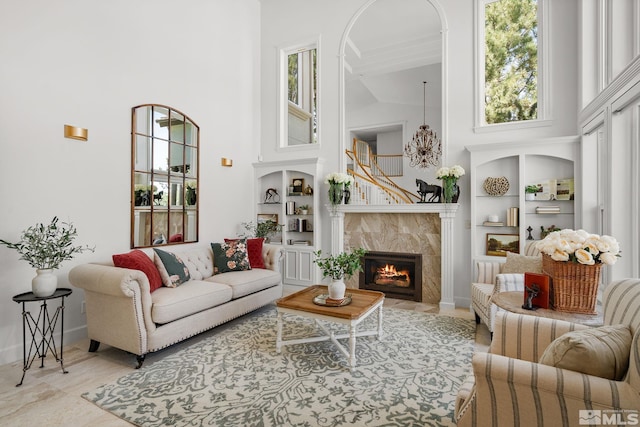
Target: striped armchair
509,387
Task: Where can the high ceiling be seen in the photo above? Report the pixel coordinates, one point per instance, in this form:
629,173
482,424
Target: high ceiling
392,48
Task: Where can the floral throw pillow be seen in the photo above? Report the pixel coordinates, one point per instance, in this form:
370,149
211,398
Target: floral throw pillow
171,268
230,256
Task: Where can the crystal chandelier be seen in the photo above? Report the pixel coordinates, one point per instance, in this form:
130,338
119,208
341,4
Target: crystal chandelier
425,148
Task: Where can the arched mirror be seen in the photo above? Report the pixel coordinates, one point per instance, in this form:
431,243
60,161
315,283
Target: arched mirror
164,176
389,49
298,96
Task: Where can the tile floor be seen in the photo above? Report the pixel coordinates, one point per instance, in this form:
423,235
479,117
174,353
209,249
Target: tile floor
50,398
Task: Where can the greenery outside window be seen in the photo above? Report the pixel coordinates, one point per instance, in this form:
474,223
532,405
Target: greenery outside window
511,65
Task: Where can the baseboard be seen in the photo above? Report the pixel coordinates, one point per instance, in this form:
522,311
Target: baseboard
14,353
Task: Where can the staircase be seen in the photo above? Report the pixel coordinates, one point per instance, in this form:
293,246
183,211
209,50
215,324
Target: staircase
372,186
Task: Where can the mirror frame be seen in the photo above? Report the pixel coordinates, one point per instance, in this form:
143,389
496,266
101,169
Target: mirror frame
283,98
186,203
444,30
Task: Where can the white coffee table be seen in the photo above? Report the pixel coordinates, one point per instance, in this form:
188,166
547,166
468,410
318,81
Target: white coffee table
363,304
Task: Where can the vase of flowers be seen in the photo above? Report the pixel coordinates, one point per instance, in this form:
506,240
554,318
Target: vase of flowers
337,183
449,177
574,259
339,267
45,247
191,196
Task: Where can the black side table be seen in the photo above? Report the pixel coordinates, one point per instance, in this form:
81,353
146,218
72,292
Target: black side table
41,329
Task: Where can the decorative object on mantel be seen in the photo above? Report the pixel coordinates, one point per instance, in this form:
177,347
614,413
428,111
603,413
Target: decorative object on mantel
339,267
425,188
191,196
45,248
449,177
337,181
425,148
573,259
496,186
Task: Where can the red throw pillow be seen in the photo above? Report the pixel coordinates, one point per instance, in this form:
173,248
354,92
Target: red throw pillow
254,251
138,260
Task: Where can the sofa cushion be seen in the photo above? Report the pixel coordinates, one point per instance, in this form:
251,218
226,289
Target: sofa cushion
171,268
248,281
254,251
602,352
230,256
517,263
170,304
138,260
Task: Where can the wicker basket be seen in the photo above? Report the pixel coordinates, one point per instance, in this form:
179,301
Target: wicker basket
574,286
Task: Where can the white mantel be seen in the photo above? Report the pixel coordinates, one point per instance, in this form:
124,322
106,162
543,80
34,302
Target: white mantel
447,212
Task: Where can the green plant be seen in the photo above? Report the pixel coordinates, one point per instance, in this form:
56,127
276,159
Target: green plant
262,229
304,207
340,266
47,246
531,189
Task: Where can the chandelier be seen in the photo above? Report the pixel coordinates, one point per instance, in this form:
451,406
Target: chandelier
425,148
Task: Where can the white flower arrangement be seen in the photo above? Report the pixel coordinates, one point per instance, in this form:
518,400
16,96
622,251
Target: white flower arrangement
339,178
191,184
455,171
580,246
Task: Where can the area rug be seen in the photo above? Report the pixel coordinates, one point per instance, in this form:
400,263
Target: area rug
234,377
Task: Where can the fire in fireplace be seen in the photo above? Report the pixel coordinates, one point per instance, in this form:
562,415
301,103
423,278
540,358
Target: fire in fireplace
398,275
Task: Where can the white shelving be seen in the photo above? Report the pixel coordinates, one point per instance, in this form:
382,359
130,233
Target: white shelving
300,236
522,163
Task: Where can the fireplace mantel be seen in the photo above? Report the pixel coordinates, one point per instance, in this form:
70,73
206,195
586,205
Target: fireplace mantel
447,213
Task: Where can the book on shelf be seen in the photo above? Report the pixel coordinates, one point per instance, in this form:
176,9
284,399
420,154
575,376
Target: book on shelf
512,217
548,209
301,243
493,223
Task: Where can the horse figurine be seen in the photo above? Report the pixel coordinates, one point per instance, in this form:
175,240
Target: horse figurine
157,198
424,189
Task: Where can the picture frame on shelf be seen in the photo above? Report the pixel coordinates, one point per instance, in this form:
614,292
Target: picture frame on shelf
297,185
500,244
262,218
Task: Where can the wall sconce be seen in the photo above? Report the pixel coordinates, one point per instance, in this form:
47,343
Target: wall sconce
74,132
226,162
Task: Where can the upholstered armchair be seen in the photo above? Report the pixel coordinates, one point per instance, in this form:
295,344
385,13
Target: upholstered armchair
510,387
493,277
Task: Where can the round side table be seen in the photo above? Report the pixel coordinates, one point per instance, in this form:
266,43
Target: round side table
41,329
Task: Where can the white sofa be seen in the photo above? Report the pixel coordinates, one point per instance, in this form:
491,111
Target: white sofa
123,313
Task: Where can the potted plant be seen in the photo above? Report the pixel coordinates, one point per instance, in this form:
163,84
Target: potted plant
45,247
304,209
339,267
264,229
530,192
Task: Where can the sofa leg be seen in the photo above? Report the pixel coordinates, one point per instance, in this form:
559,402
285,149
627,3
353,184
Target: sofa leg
93,346
477,318
140,360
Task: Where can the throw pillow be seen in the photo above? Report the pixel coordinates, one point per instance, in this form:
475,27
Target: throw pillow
230,256
138,260
171,268
601,352
517,263
254,251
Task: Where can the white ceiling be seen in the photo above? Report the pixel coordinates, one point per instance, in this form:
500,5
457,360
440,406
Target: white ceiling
392,48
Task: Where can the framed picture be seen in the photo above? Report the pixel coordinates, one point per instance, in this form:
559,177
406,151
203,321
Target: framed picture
297,184
262,218
500,244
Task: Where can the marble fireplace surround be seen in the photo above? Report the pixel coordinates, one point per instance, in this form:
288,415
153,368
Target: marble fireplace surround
425,228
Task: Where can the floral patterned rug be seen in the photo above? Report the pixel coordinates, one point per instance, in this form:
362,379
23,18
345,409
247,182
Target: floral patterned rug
232,376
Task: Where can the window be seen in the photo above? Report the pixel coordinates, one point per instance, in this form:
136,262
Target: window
511,66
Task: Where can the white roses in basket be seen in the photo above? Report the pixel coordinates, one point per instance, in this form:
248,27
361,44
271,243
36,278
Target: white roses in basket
580,246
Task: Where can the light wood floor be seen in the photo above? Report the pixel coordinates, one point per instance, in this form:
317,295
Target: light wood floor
49,398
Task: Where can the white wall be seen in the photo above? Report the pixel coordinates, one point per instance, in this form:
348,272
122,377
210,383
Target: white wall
287,21
86,64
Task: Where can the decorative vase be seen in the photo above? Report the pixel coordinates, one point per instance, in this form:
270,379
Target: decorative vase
347,195
45,283
191,196
337,289
335,194
530,196
449,189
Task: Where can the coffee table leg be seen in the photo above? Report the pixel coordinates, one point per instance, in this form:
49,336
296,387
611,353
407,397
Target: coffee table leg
279,333
352,346
380,322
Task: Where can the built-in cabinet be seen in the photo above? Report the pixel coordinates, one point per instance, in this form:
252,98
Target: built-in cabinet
546,162
286,193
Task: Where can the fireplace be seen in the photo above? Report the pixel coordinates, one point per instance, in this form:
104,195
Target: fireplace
398,275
